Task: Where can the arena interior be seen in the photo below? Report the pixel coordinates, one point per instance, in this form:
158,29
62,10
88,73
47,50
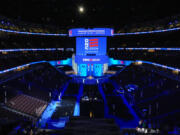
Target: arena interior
76,67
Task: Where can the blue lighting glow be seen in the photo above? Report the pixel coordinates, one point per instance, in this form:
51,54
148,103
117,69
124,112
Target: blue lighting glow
113,61
147,32
59,124
106,109
160,65
19,67
95,32
53,63
32,33
156,48
119,62
66,62
97,70
116,34
62,49
61,62
82,68
77,105
77,109
133,123
91,46
29,49
48,113
130,108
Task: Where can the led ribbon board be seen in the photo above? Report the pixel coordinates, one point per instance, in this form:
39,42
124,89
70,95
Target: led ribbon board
103,32
92,59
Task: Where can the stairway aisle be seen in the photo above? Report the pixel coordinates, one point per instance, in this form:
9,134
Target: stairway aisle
78,99
117,107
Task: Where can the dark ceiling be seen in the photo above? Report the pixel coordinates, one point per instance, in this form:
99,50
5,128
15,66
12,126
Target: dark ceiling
97,13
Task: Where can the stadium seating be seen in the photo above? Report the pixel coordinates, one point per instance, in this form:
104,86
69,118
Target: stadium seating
28,105
154,93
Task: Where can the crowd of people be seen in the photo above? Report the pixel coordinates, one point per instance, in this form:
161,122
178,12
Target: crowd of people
162,24
35,41
16,25
17,58
164,57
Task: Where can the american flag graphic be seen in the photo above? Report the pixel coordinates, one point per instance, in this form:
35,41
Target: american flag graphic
93,42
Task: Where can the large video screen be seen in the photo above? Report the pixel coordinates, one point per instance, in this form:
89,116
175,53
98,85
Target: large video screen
91,45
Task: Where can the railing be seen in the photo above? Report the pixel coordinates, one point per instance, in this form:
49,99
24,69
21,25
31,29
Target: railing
116,34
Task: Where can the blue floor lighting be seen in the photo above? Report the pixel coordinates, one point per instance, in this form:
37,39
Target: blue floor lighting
32,33
77,105
106,110
48,113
